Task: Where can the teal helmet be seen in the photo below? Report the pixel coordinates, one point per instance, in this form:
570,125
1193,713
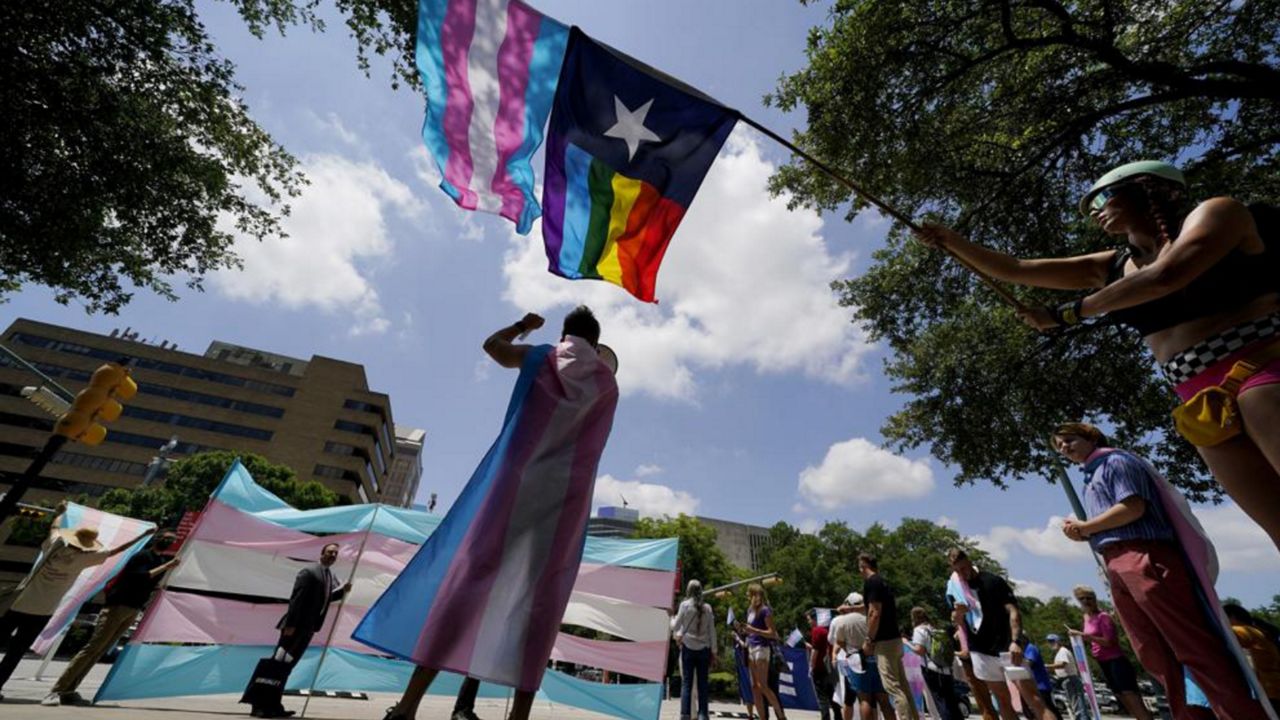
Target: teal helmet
1153,168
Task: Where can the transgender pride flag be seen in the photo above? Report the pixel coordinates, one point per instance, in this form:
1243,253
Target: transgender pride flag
489,68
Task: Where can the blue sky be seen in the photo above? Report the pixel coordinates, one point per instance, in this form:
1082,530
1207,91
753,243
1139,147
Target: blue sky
747,394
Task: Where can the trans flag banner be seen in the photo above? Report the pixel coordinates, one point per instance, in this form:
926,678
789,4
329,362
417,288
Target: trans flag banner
216,617
627,150
113,531
489,69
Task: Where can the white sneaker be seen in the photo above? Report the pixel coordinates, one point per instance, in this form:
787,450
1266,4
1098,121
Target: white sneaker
52,700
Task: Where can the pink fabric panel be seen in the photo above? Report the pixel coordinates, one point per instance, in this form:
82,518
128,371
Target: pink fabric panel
634,585
646,660
228,526
185,617
456,36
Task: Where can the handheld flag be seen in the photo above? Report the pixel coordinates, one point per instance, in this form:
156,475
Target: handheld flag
489,68
794,638
729,618
627,151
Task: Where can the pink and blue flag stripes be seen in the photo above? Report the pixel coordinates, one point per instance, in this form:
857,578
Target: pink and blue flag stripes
113,531
486,593
204,632
489,68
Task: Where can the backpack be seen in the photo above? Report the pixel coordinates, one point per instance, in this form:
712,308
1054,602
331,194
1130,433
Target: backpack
941,650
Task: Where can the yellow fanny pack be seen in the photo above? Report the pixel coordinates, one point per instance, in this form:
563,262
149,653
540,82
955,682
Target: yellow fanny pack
1211,416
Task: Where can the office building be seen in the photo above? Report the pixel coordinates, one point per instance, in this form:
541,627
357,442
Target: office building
316,416
742,544
611,521
406,470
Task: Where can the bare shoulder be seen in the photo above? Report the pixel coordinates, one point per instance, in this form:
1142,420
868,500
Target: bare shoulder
1224,218
1221,209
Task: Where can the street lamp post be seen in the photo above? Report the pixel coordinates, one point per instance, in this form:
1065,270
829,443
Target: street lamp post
159,464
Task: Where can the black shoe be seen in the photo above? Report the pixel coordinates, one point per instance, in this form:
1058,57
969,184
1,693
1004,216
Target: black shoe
393,713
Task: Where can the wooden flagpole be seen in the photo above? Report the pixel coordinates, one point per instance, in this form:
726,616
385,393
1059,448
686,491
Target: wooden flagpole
883,206
337,617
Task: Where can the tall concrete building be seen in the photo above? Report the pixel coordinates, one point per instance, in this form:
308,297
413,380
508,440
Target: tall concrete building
742,544
317,416
406,471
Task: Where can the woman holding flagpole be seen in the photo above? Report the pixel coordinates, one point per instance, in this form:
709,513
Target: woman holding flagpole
1198,282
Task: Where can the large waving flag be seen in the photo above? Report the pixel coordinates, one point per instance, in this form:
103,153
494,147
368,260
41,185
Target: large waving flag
489,68
627,151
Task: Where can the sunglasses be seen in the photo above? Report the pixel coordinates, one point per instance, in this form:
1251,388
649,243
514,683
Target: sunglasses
1107,193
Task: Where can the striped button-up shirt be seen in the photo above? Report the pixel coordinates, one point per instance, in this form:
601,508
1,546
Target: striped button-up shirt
1116,476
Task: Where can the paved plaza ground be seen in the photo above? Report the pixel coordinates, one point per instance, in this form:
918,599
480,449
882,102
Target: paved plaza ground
23,694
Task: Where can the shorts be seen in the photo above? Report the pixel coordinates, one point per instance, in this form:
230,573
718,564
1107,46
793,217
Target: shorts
758,652
1216,372
988,668
1015,673
1119,674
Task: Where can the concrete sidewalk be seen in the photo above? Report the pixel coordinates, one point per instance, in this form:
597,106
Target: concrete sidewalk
23,695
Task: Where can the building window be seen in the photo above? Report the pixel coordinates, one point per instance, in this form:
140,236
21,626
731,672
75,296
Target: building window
336,473
18,451
147,388
26,421
155,443
140,413
152,364
337,448
93,462
362,406
354,427
364,496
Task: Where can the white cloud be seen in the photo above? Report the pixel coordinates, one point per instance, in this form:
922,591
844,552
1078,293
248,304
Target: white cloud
810,526
857,471
946,522
1241,543
1047,541
648,470
1034,588
337,228
744,282
651,499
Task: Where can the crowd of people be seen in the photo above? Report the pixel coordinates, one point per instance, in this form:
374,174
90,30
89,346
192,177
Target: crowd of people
1193,279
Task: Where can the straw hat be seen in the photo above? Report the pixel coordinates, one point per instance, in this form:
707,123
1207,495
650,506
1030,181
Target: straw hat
84,538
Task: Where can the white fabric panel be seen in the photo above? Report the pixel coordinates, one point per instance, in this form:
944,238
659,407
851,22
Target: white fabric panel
226,569
616,617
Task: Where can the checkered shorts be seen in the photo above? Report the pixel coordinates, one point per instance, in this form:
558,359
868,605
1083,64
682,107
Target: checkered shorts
1197,358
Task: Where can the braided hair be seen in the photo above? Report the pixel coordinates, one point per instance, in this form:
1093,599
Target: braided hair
1167,204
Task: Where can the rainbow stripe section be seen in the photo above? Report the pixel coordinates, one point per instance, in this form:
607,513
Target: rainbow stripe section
615,228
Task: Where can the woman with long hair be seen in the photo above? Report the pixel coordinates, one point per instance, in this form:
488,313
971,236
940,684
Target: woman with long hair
761,635
1197,281
694,629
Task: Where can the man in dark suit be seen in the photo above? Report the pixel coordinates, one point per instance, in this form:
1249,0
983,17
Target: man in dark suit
313,589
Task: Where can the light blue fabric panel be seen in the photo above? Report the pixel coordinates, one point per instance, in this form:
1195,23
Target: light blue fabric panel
408,525
238,490
649,554
633,702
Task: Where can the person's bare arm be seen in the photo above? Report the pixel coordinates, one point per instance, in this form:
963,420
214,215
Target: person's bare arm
131,543
873,623
1212,230
1015,627
1080,272
1122,513
501,345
